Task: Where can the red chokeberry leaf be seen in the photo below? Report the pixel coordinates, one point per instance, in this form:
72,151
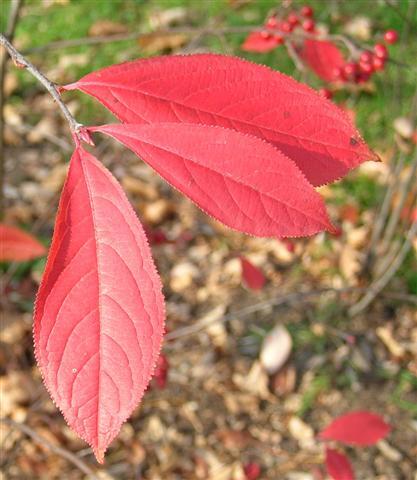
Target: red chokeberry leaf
356,428
252,275
18,246
324,58
239,179
338,465
230,92
99,313
260,42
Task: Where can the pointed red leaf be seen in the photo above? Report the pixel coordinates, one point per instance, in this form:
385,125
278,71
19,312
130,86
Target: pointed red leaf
99,314
259,42
324,58
338,465
357,428
240,180
233,93
18,246
252,276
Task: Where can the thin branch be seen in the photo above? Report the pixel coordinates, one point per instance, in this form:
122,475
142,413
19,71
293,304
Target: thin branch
21,61
77,462
378,285
10,29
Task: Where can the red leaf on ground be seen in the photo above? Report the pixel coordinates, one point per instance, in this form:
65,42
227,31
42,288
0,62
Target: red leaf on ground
240,180
18,246
259,42
323,57
251,275
338,465
99,313
230,92
356,428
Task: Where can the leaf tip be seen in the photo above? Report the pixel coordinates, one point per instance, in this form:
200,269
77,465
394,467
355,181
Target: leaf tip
99,454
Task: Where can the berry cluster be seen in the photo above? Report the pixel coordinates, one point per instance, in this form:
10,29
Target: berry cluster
302,19
368,62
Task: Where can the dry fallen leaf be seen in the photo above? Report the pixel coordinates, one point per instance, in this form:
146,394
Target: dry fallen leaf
106,27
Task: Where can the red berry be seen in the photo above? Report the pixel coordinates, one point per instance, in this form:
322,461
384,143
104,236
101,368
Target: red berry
366,57
309,25
391,36
326,93
265,34
338,73
367,68
307,11
271,22
381,51
363,77
292,19
252,471
350,69
378,63
279,38
286,27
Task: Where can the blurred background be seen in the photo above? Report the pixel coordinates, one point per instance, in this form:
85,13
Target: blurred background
339,311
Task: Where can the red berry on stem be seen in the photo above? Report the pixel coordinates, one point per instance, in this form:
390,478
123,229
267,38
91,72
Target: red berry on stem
309,25
378,63
271,22
265,34
381,51
338,73
286,27
366,57
391,36
292,19
326,93
279,38
307,11
367,68
350,69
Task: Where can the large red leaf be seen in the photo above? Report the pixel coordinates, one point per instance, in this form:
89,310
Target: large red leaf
17,245
241,180
338,465
233,93
323,57
356,428
99,313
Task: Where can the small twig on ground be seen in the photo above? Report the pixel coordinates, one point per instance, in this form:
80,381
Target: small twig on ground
274,302
21,61
10,29
77,462
404,189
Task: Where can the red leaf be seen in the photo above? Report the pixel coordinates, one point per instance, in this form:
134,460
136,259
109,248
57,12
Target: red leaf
357,428
17,245
239,179
99,314
323,57
338,465
233,93
258,42
252,276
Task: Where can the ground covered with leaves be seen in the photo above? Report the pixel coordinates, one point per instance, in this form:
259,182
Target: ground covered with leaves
219,414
